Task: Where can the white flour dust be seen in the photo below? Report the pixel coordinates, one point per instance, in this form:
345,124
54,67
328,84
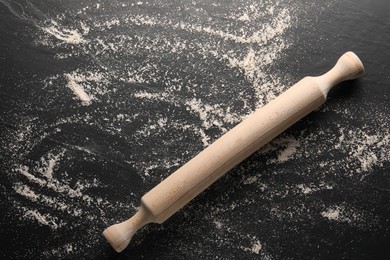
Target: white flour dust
309,188
164,87
256,247
344,213
64,35
78,82
247,47
78,90
43,219
263,47
35,183
331,213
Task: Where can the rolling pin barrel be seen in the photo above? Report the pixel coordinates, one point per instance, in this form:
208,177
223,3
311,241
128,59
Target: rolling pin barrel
233,147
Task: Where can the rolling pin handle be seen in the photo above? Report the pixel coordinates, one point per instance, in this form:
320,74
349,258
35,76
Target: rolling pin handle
348,67
119,235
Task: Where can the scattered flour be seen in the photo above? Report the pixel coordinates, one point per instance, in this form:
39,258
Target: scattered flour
305,189
350,215
331,213
65,35
218,224
311,188
43,174
290,150
78,82
62,251
211,115
256,247
43,219
246,46
286,146
360,151
78,90
25,191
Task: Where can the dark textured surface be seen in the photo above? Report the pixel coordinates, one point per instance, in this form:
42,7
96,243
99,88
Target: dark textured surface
165,80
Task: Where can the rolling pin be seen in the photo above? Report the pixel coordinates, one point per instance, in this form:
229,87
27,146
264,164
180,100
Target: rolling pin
233,147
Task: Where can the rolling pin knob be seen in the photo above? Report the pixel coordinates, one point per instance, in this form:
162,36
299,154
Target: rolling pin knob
119,235
348,67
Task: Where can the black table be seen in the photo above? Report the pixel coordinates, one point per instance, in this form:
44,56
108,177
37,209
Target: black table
101,100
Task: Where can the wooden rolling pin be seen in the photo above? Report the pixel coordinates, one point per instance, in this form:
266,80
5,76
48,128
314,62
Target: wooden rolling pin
233,147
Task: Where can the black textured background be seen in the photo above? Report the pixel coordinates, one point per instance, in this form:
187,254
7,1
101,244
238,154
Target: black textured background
40,116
